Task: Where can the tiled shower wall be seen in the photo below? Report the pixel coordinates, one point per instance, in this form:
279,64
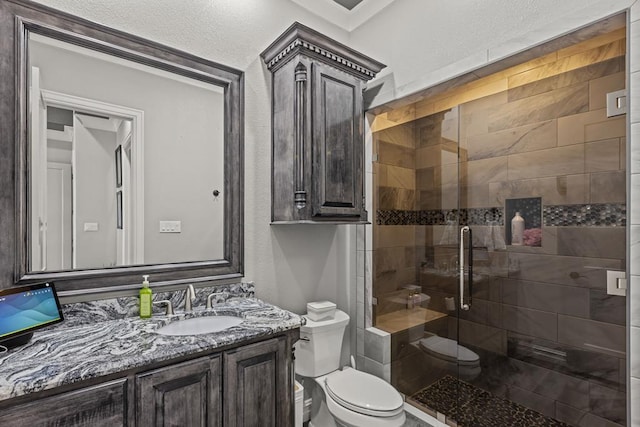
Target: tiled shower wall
394,255
551,139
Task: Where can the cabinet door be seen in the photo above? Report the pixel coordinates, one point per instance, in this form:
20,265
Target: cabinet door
257,385
185,394
338,144
97,406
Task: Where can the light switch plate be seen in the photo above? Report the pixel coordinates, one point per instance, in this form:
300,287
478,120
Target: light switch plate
170,226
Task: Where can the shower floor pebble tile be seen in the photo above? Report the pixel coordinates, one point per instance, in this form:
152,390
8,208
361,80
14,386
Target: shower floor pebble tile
471,406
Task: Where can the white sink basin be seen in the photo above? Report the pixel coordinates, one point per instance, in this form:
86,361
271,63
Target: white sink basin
200,325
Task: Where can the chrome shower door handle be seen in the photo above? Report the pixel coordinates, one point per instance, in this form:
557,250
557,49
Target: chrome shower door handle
464,230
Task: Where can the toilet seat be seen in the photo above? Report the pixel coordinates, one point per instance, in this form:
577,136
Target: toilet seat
364,393
449,350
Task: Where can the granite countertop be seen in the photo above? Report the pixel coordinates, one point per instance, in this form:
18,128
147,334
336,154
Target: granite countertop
102,338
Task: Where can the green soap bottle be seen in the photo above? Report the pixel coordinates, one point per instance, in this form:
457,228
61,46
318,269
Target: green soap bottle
145,298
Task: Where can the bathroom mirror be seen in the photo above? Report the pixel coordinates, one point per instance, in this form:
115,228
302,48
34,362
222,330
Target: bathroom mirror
128,156
126,161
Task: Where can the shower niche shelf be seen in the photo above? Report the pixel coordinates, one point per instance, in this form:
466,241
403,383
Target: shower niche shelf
318,128
531,210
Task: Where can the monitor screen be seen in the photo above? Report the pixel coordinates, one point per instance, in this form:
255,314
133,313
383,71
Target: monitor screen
26,308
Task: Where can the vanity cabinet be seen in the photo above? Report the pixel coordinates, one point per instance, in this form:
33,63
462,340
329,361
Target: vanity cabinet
257,390
243,386
184,394
102,405
318,128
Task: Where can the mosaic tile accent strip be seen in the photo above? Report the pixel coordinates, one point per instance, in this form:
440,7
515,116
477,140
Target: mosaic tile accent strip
396,217
469,406
476,216
587,215
592,215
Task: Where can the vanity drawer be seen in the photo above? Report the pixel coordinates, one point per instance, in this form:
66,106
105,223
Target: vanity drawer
100,405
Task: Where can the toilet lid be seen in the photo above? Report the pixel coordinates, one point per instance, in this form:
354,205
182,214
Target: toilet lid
448,349
364,393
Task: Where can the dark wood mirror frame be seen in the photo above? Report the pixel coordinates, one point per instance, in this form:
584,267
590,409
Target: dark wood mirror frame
17,19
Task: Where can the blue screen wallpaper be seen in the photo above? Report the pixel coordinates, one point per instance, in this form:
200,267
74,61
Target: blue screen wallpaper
26,310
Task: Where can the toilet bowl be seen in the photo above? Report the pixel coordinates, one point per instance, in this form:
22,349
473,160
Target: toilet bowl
447,354
356,399
346,397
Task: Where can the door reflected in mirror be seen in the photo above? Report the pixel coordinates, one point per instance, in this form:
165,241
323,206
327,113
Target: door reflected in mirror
126,162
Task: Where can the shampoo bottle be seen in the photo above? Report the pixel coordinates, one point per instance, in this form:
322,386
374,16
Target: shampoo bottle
517,230
145,298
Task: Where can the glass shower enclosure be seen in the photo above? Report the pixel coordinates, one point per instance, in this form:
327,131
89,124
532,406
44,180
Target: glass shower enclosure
498,222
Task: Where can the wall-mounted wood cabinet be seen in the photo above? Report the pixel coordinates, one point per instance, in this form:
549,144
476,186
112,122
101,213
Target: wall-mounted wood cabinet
318,128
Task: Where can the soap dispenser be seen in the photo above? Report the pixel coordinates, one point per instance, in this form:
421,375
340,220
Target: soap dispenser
145,298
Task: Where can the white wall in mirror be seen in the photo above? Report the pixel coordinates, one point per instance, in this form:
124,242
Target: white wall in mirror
168,170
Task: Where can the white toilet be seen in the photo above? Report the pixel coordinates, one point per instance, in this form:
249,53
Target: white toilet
342,397
447,354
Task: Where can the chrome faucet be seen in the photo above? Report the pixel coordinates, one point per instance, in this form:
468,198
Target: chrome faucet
189,297
167,303
209,298
222,295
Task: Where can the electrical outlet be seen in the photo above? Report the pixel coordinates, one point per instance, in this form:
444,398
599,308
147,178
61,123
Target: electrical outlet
170,226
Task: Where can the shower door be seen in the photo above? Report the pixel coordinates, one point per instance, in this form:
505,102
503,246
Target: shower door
507,324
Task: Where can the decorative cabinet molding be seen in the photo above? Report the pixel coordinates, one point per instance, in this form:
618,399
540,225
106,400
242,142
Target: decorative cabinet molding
318,128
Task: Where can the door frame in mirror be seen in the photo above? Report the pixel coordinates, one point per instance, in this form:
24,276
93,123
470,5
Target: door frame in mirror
17,19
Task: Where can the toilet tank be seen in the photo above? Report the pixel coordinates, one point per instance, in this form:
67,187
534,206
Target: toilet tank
320,345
